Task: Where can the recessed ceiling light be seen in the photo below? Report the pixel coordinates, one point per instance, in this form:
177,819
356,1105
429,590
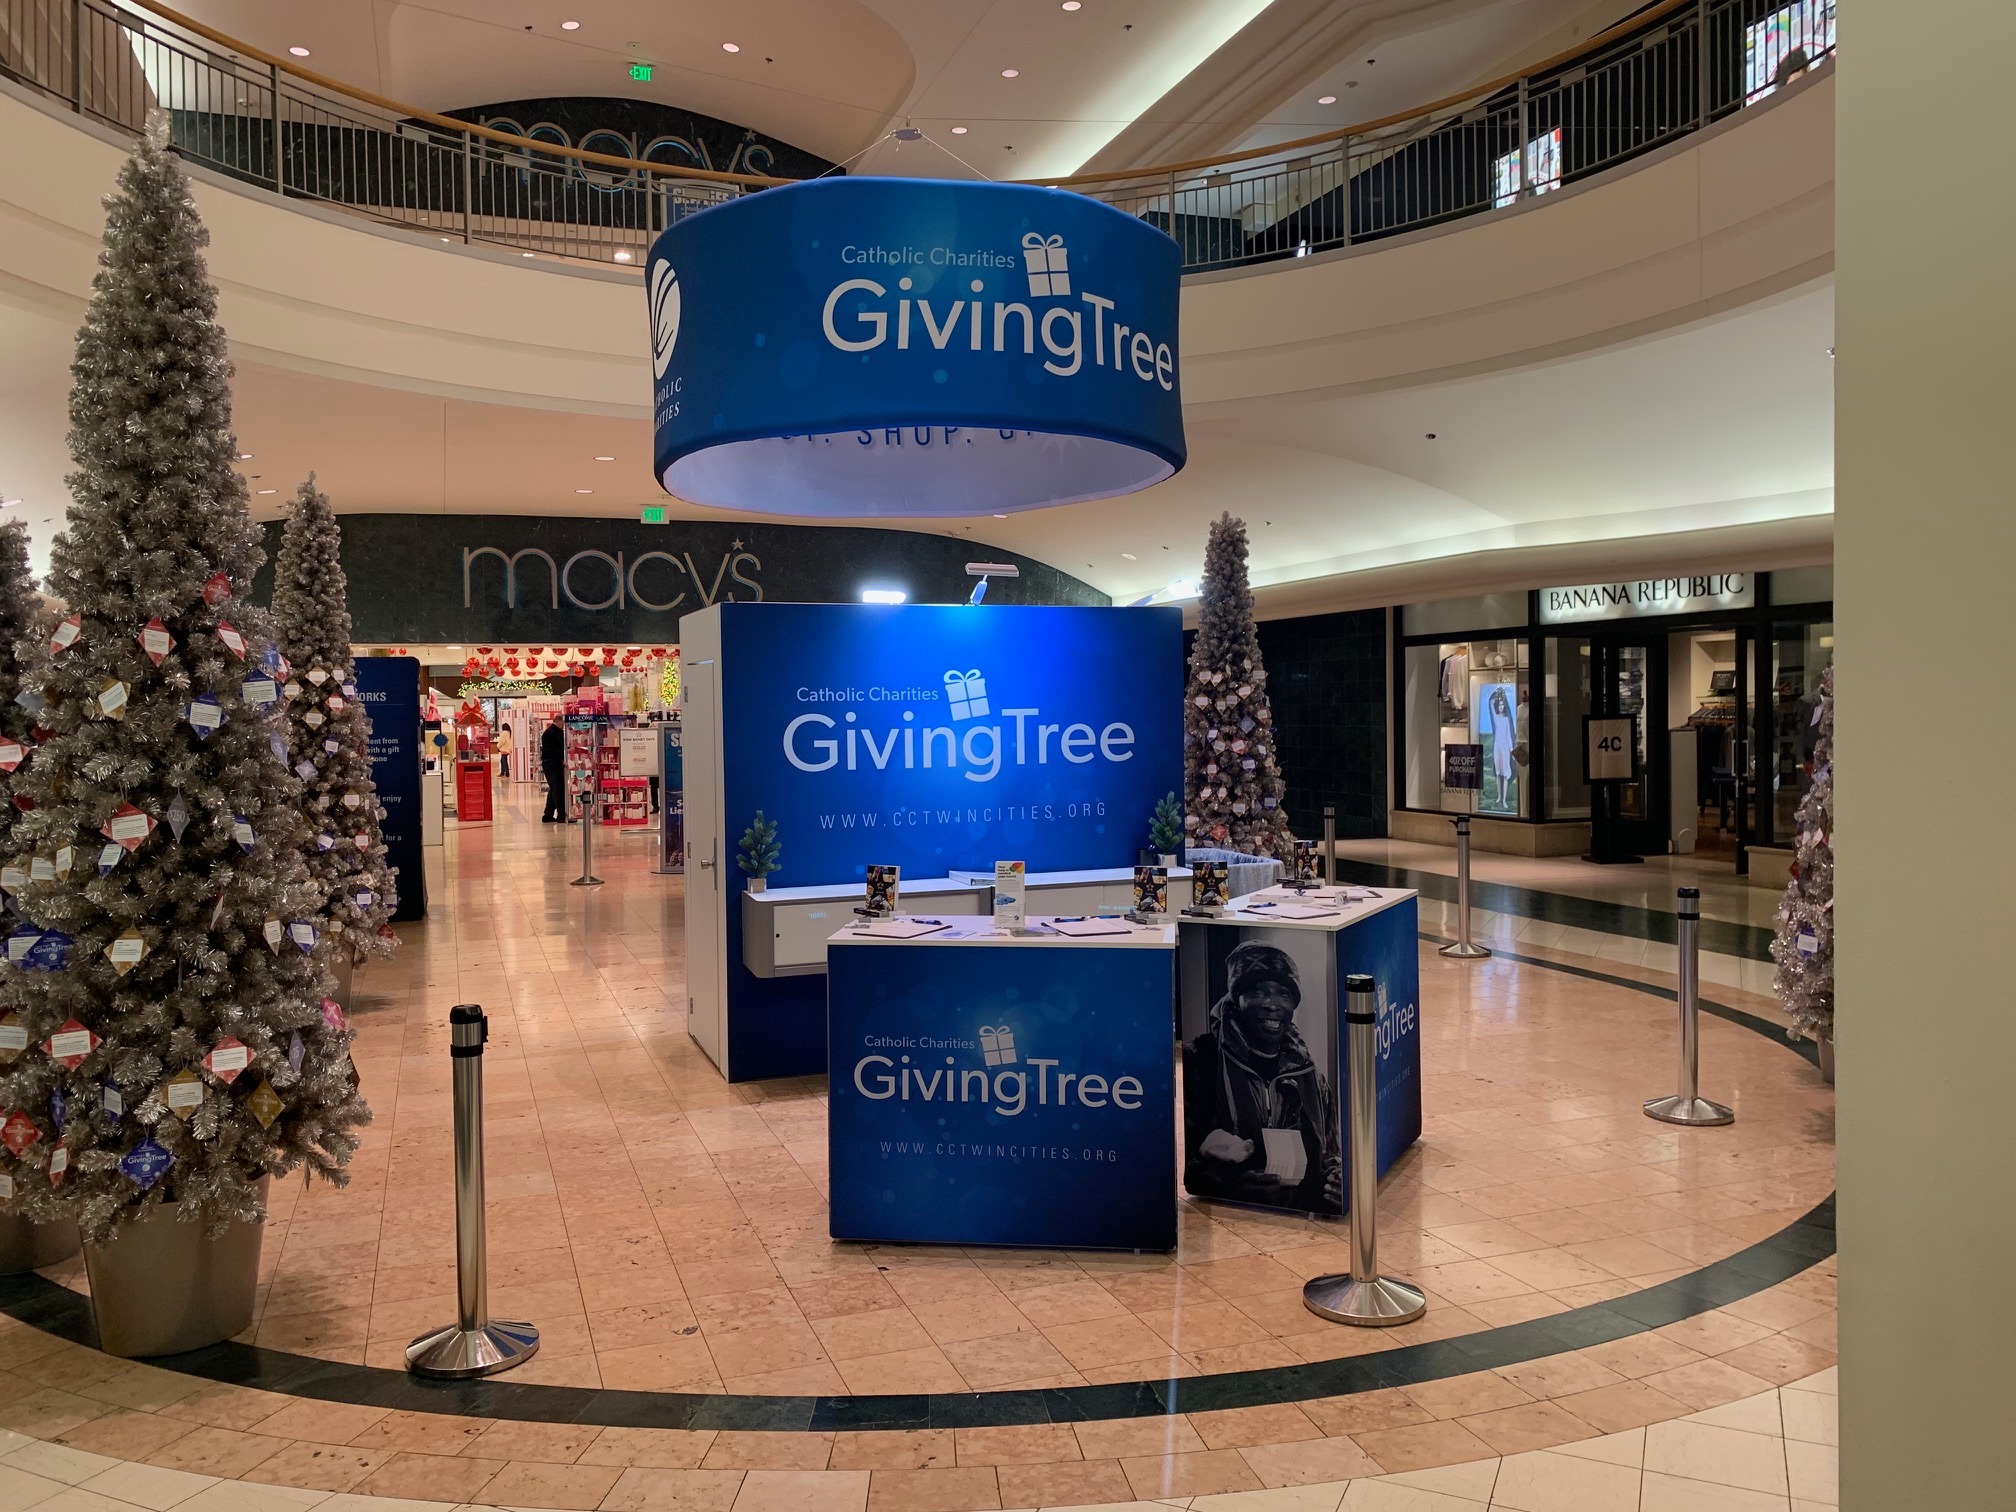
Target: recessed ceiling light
622,257
1326,99
1011,73
299,52
731,47
605,459
244,456
1129,555
584,490
958,131
269,490
524,254
1071,4
570,26
1000,517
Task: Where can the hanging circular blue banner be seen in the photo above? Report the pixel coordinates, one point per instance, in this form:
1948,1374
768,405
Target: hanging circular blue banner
858,347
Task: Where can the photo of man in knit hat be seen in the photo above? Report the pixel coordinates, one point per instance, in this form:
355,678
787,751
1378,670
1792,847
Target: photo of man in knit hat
1260,1117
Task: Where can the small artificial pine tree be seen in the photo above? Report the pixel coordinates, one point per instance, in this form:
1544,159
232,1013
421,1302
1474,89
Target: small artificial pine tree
758,848
329,737
1804,946
23,626
1232,785
1165,826
169,1035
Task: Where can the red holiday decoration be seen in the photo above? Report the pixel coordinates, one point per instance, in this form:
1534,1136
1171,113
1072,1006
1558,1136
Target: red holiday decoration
69,1045
18,1132
659,652
217,588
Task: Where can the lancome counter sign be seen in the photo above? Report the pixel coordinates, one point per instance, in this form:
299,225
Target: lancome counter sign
1648,596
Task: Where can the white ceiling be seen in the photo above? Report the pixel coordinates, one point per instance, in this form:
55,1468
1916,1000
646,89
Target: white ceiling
1719,424
1112,83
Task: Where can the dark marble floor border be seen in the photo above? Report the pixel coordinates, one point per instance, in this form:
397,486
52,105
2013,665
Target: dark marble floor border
43,1304
1749,941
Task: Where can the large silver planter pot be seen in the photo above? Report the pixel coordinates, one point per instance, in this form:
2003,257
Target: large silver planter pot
345,970
26,1246
160,1287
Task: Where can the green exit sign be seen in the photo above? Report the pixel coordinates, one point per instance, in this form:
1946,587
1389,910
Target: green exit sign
652,514
641,72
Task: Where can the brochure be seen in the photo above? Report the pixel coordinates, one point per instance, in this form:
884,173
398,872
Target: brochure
1151,889
1008,894
882,889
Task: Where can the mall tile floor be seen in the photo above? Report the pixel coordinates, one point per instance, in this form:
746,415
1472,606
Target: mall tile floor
667,1234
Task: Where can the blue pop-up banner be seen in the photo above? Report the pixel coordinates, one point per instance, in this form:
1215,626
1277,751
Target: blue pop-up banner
872,347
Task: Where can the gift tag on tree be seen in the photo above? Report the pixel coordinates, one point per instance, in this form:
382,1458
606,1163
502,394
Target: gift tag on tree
108,856
146,1163
59,1109
32,701
59,1162
363,898
204,714
335,704
1807,943
12,754
65,634
274,662
111,700
216,588
363,842
261,693
349,690
304,934
297,1051
227,1058
50,953
277,744
241,831
111,1102
233,641
13,1039
156,641
40,869
264,1104
274,932
13,876
332,1015
305,770
325,842
18,1132
291,690
317,676
69,1045
6,1186
351,800
178,817
314,719
332,746
127,827
183,1093
66,861
126,952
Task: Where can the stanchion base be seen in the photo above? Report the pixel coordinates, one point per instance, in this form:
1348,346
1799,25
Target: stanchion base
456,1354
1463,950
1384,1303
1697,1111
586,882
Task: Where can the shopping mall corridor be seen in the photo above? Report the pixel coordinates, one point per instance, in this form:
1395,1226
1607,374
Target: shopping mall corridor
1623,1315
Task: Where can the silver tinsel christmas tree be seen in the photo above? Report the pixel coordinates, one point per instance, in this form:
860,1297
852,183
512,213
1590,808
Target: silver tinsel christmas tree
169,1033
329,738
23,636
1232,785
1804,946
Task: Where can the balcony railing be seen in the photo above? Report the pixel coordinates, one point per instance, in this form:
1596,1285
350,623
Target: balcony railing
268,122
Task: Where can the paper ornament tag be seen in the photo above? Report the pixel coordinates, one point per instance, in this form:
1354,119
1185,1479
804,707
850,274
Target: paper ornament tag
6,1186
111,1102
13,877
259,692
13,1039
126,952
155,640
69,1045
1807,943
277,744
108,856
363,899
216,588
204,715
264,1104
335,704
183,1092
317,676
363,842
325,842
304,934
40,869
273,662
65,861
332,746
241,831
146,1163
1816,713
59,1162
65,634
18,1132
332,1015
274,932
291,689
178,816
305,770
127,826
233,641
50,953
313,719
12,754
297,1051
59,1109
217,911
111,700
351,800
349,690
32,701
227,1059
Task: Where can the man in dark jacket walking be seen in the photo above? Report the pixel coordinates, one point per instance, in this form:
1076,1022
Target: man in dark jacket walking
553,762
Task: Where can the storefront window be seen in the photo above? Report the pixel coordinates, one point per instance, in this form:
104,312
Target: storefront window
1567,701
1799,654
1471,692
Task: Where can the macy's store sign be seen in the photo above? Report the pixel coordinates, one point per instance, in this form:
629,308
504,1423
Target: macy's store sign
598,580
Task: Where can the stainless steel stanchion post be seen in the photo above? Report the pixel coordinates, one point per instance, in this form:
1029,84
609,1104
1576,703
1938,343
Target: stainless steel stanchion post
1463,949
1329,845
1364,1298
473,1345
588,806
1687,1106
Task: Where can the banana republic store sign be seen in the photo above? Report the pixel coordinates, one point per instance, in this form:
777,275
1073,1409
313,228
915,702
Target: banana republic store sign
1646,597
462,578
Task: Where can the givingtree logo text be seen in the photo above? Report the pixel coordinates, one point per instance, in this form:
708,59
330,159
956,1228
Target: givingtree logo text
900,1078
974,739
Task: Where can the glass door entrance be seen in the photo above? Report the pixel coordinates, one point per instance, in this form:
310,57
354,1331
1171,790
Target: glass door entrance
1627,678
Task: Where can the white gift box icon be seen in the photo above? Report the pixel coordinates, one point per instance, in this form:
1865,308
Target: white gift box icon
967,693
997,1045
1049,272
